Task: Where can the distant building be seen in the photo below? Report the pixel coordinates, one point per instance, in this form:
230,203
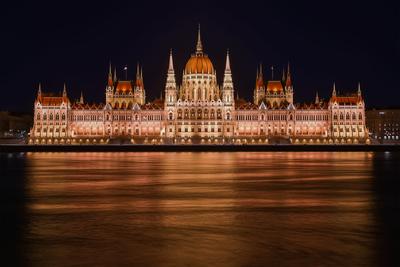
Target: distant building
14,125
384,125
199,110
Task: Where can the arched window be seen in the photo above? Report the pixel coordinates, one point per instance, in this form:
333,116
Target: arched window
341,116
228,116
186,113
291,117
38,116
199,114
219,114
180,114
335,116
360,116
353,116
170,116
51,116
63,116
347,116
57,116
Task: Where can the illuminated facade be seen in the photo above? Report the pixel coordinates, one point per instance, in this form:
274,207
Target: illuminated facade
198,111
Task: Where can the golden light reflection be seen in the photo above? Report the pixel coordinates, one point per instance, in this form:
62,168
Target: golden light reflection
222,205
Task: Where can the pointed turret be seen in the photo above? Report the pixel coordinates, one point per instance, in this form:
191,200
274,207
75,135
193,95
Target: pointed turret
334,89
39,92
316,98
65,90
359,90
199,46
288,77
137,71
115,75
228,63
110,79
227,88
283,76
170,62
259,78
171,83
81,100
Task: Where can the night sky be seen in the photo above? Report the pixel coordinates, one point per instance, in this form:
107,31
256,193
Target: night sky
73,42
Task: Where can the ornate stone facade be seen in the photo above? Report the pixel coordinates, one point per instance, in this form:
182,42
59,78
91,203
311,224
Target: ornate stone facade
199,111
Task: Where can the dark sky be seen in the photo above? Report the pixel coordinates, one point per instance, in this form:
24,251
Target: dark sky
73,41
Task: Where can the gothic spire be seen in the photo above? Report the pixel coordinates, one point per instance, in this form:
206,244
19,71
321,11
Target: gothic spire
334,89
171,62
137,71
283,75
65,90
316,98
289,76
199,46
81,101
359,89
228,63
228,83
115,74
39,92
110,79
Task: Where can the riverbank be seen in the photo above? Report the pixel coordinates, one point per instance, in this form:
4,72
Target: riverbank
192,148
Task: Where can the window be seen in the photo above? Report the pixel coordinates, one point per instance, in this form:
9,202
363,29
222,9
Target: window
170,116
63,116
38,116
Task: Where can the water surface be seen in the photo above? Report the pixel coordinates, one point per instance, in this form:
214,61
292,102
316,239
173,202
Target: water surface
201,209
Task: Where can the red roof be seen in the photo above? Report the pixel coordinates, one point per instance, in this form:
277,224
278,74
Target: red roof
274,86
124,87
349,100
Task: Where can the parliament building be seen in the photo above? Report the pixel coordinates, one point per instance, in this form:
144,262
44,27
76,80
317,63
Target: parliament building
199,111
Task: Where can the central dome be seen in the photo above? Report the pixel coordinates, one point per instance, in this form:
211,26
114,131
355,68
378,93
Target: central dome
199,63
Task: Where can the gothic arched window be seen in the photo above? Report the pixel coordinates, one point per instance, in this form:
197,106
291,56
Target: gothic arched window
38,116
51,116
57,116
360,116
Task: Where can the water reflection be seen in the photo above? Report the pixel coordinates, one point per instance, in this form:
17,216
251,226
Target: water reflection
197,209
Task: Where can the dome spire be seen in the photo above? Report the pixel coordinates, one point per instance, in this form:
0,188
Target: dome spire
199,46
